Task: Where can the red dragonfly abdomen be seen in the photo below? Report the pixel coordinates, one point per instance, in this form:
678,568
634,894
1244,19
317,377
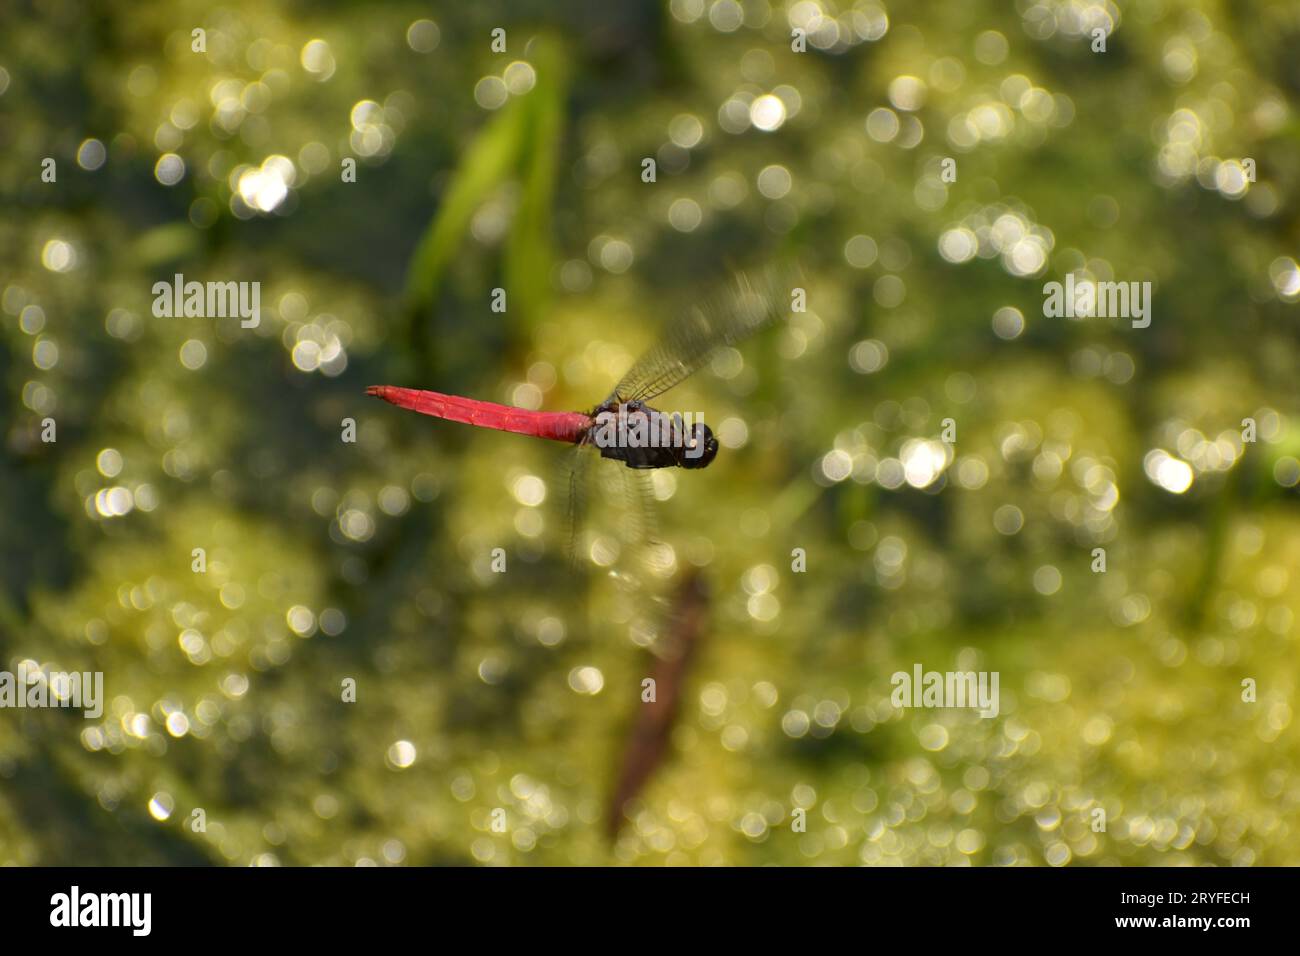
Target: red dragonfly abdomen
557,426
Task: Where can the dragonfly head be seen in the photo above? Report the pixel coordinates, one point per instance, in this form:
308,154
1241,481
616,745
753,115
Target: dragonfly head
701,450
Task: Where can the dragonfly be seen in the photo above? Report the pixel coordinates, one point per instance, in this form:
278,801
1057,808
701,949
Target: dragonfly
625,427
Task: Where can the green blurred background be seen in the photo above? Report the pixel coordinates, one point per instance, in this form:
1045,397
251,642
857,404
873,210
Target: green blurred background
477,169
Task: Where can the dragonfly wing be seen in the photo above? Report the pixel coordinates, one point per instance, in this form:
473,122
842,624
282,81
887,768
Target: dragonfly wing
749,303
612,519
574,479
640,527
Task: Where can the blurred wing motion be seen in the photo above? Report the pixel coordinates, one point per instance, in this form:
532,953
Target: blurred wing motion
652,728
748,305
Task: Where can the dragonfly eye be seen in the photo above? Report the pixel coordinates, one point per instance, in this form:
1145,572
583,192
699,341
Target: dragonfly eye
702,450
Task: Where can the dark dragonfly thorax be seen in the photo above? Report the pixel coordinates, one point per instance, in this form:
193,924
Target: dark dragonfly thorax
644,437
